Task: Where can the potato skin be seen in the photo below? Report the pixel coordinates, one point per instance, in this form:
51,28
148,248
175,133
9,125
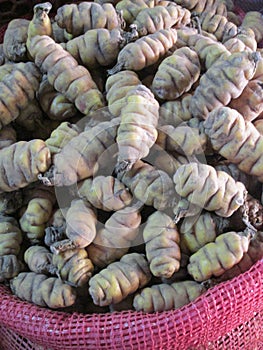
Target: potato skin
114,239
131,8
250,103
65,74
117,86
43,290
236,139
149,20
176,74
61,135
10,266
77,19
81,222
223,81
213,6
10,236
164,297
105,192
215,258
218,25
55,104
137,132
72,165
197,231
162,239
21,163
212,190
150,185
17,90
104,46
188,139
208,49
38,258
254,254
34,219
253,21
73,266
14,43
145,51
119,279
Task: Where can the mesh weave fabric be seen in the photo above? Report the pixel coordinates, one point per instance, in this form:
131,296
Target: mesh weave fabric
227,316
249,5
2,32
10,340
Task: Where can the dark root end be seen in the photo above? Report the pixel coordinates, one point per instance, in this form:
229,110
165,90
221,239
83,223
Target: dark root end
48,177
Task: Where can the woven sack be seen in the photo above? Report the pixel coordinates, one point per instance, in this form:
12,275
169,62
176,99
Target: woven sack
250,5
227,317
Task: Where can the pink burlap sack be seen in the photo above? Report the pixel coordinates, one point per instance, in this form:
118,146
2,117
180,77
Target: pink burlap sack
227,317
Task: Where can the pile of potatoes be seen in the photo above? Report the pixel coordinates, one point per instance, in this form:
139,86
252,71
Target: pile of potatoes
131,153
